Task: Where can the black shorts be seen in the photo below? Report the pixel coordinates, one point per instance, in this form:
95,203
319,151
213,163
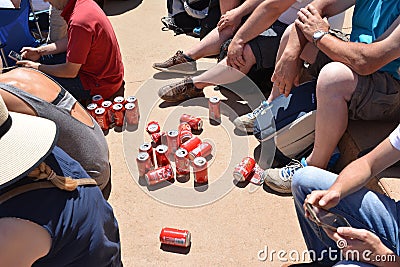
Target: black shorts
266,45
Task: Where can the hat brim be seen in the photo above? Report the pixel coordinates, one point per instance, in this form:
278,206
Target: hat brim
27,143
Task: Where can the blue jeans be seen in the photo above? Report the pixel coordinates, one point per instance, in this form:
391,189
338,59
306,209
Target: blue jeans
72,85
363,209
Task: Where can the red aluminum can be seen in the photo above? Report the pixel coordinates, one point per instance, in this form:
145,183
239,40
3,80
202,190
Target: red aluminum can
175,237
133,99
144,163
191,144
101,118
182,162
119,100
214,109
107,105
97,99
195,122
172,141
200,170
202,150
244,169
91,108
159,138
118,111
161,155
153,127
146,147
159,175
184,133
131,114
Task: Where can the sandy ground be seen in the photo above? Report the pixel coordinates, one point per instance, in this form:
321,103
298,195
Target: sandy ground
233,223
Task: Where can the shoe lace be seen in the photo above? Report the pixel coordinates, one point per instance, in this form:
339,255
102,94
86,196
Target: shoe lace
258,110
288,171
175,57
180,87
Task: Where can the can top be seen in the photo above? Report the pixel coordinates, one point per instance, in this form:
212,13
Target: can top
142,156
106,104
162,149
145,146
153,127
99,111
119,99
130,106
199,161
92,106
214,99
181,153
131,99
117,106
172,133
200,124
96,97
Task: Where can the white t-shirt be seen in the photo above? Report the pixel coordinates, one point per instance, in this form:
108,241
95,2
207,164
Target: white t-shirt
290,15
395,138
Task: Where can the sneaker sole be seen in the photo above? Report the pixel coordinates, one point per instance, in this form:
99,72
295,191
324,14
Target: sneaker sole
278,189
175,71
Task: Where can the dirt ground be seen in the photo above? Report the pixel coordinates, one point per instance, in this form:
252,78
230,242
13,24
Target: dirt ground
229,224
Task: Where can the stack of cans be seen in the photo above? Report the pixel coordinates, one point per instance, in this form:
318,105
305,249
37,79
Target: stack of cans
109,114
179,146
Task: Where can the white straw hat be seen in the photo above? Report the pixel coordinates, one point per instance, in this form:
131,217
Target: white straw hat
25,141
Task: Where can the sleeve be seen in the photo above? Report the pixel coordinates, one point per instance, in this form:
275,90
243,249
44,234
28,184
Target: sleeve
395,138
79,44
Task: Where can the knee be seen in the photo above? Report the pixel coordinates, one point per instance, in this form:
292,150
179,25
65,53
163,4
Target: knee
248,56
309,179
336,80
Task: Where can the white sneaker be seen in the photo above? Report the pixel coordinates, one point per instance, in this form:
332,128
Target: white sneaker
246,121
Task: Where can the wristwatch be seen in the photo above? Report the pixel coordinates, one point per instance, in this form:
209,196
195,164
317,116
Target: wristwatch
318,35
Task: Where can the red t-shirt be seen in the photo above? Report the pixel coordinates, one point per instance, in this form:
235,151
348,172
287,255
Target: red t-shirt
92,43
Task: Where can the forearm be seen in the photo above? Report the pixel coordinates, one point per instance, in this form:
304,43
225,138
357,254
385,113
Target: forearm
359,172
261,19
57,47
59,70
248,7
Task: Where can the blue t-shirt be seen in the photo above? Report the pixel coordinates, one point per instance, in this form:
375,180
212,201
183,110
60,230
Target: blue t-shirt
81,224
371,18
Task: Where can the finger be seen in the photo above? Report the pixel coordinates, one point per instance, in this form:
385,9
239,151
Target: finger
314,198
312,9
241,60
327,198
304,11
360,234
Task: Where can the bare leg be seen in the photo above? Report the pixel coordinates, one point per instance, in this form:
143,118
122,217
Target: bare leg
222,74
335,86
211,44
285,37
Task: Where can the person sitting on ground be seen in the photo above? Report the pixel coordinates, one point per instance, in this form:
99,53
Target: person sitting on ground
62,221
86,62
373,217
362,82
255,43
31,92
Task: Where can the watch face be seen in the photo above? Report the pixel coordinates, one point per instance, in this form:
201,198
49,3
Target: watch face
318,34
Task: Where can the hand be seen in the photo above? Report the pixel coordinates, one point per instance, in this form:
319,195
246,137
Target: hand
230,19
31,53
234,56
28,64
368,245
286,74
309,21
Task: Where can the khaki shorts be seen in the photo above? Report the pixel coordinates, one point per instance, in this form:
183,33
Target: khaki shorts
376,97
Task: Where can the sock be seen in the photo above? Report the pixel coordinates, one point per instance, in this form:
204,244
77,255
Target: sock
188,58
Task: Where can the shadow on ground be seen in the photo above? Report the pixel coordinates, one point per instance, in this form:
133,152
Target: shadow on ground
118,7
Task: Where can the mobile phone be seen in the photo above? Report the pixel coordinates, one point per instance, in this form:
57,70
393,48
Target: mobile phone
14,55
326,219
